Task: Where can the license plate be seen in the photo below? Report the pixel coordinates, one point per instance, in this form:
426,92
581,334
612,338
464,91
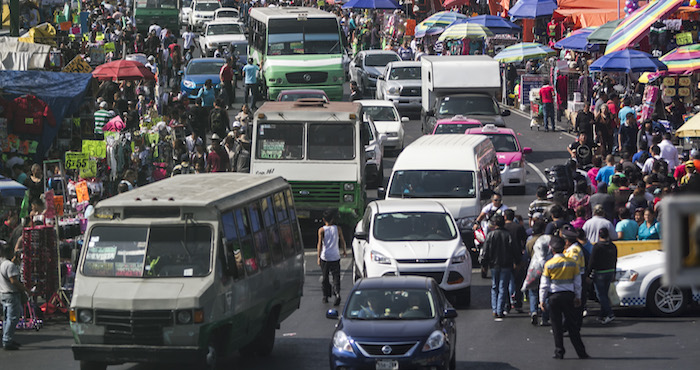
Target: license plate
303,214
387,365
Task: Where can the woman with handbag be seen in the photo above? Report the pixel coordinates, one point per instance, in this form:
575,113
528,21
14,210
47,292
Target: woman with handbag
602,269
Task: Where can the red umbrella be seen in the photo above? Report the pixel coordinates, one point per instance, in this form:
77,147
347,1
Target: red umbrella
123,70
448,4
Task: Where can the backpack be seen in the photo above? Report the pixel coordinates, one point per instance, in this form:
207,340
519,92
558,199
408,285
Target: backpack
217,121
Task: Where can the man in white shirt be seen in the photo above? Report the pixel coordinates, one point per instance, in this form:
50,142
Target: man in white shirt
154,28
188,39
655,152
668,151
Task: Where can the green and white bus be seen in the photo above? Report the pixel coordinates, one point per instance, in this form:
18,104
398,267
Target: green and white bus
187,269
318,148
297,48
165,13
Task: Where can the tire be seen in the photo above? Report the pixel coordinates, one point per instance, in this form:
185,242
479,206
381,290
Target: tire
267,337
666,301
92,365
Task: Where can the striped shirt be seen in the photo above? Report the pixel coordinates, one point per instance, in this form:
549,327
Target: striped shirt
576,253
561,274
102,116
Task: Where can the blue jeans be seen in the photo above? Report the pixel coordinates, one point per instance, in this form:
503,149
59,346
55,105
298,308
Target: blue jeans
602,282
500,279
548,112
12,309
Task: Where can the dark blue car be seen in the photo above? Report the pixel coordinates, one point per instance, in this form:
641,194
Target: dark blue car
391,323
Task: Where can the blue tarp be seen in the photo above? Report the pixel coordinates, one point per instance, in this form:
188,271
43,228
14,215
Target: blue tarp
63,92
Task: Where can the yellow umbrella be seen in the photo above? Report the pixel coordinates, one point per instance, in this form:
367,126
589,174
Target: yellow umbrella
691,128
43,33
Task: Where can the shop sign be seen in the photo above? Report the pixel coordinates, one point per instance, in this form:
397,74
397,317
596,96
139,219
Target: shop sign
76,160
90,170
77,65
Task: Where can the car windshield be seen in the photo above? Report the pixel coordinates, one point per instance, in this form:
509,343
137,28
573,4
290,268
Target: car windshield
156,251
186,3
297,96
331,141
468,105
380,60
433,184
204,68
224,29
380,113
454,128
503,142
280,141
405,73
414,226
313,36
390,304
207,7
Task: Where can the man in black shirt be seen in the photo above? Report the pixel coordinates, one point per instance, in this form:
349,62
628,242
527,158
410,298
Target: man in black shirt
519,236
584,123
581,150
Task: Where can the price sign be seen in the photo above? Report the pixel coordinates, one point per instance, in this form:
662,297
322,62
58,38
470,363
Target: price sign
95,148
90,170
76,160
410,27
81,190
77,65
109,47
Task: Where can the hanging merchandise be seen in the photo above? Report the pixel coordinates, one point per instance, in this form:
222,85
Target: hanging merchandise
28,115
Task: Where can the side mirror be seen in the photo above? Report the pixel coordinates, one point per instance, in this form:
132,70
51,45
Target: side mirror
527,150
430,113
382,138
546,171
505,113
381,193
381,77
404,119
332,314
361,235
486,194
449,313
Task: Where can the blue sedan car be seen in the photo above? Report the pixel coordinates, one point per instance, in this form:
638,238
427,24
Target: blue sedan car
390,323
198,71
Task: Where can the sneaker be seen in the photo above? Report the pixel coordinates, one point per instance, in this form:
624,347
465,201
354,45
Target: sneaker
544,322
337,300
585,312
10,347
325,299
504,314
533,319
607,320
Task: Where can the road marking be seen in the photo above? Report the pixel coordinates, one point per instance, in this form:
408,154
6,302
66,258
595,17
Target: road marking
538,172
518,112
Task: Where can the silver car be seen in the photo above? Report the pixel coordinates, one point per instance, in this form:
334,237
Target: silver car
401,84
368,65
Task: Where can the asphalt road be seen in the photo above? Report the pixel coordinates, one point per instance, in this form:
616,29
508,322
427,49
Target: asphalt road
634,340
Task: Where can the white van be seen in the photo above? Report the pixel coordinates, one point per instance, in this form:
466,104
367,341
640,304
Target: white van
460,171
187,269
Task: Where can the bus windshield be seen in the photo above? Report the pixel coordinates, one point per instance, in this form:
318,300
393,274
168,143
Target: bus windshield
331,142
324,141
156,251
224,29
433,184
313,36
154,4
283,141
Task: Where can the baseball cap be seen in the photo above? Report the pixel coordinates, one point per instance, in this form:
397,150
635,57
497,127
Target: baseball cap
567,231
103,104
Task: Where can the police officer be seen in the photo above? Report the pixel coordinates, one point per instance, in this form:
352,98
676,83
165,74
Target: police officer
561,284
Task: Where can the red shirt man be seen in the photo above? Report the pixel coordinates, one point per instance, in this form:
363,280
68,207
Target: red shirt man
547,94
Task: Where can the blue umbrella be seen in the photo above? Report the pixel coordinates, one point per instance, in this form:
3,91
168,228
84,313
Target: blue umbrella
494,23
533,8
11,188
578,41
629,61
372,4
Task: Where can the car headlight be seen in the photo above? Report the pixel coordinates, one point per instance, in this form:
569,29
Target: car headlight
85,316
341,341
435,341
348,198
184,317
460,257
394,90
627,275
370,154
515,164
189,84
380,258
349,186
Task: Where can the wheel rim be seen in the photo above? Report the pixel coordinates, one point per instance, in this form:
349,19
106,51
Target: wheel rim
668,299
211,357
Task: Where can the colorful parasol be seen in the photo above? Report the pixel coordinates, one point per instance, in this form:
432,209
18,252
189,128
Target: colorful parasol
636,25
578,41
123,70
465,31
684,59
524,51
628,61
436,23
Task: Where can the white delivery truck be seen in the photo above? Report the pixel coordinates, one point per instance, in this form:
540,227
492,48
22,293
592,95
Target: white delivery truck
464,85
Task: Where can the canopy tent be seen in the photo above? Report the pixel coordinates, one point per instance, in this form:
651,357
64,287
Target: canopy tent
602,34
21,56
532,9
372,4
691,128
63,92
590,13
578,41
494,23
11,188
465,31
44,33
636,25
628,61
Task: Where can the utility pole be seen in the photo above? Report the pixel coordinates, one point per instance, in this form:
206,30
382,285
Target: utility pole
14,18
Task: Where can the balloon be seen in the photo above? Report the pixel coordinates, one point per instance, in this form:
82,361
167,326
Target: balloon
693,2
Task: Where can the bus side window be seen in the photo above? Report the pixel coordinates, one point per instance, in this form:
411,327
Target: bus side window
234,256
259,238
246,238
293,221
273,236
285,226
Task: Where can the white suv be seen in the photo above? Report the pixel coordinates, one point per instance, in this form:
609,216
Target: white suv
202,12
420,237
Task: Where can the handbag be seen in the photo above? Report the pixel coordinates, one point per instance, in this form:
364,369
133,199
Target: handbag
612,295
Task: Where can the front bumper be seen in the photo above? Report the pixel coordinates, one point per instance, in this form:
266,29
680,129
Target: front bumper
513,176
136,353
419,360
405,103
393,142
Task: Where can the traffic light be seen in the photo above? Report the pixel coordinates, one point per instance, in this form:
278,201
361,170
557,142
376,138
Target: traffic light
680,236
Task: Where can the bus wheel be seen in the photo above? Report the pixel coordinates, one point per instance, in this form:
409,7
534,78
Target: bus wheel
92,365
266,340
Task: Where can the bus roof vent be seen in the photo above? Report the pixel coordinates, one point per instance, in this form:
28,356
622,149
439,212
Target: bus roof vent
309,102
